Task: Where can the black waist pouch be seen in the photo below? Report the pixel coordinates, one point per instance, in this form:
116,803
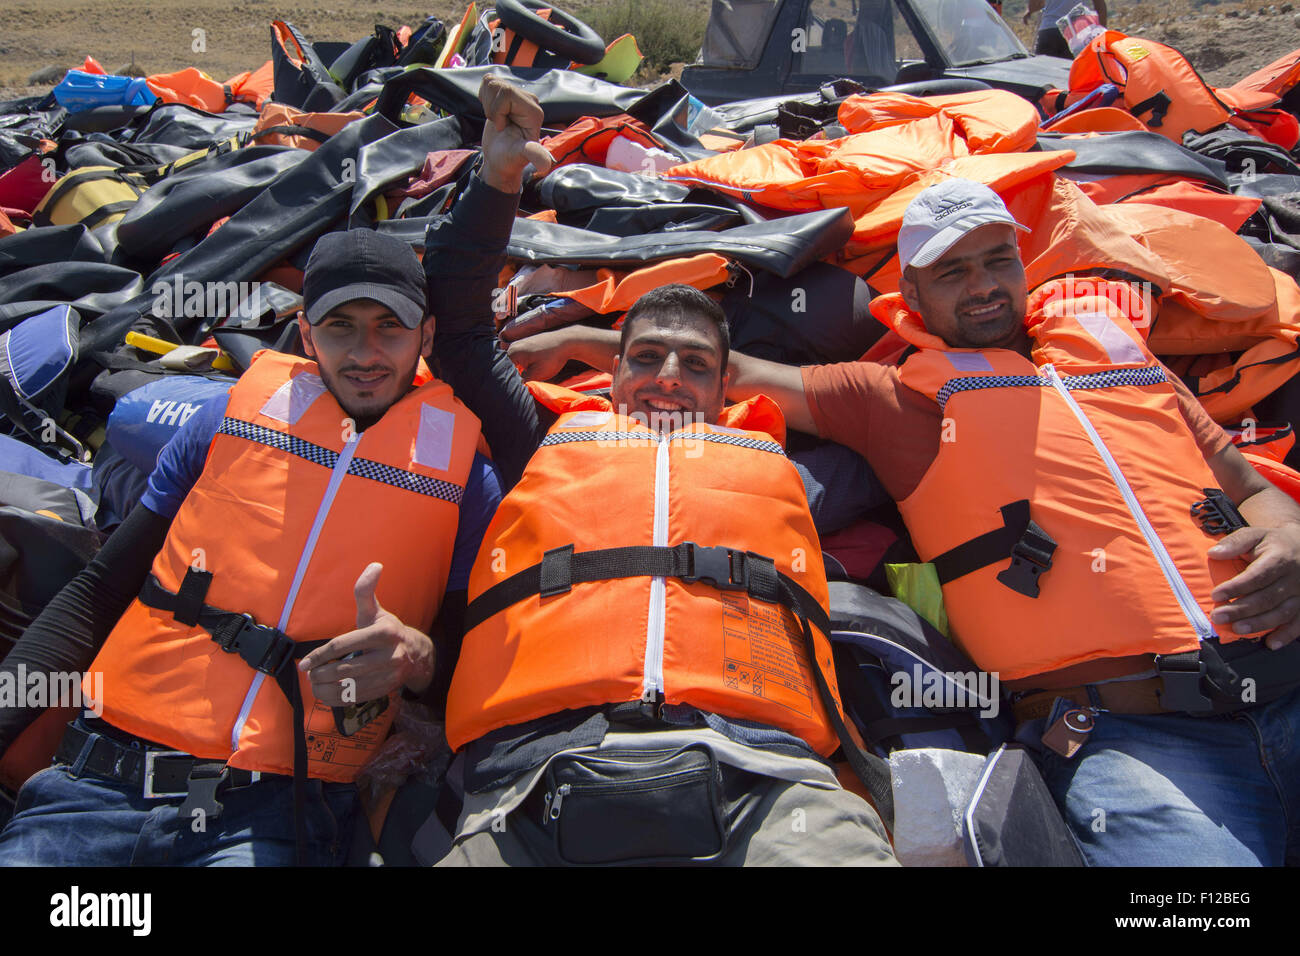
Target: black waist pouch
635,806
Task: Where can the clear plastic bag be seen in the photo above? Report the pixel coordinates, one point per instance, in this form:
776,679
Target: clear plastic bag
417,747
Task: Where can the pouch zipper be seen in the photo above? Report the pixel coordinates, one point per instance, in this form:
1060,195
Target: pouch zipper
653,681
554,801
1191,610
322,511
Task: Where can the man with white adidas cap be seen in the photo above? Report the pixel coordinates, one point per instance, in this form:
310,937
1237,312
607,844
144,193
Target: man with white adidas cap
1160,736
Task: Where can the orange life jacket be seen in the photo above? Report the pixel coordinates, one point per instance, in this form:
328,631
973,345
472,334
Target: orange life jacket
281,125
195,88
290,508
980,135
1159,86
1164,189
1098,119
1221,302
1277,78
587,140
601,480
1051,459
1270,356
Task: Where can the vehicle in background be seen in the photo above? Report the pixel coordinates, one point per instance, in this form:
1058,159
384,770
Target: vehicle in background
755,48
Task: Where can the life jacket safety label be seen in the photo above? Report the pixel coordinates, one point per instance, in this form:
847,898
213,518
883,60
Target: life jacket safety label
758,657
328,746
1136,51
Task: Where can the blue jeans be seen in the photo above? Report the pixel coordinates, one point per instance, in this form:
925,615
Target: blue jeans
1174,790
62,820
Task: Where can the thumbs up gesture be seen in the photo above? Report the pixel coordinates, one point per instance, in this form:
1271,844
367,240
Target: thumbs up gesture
374,660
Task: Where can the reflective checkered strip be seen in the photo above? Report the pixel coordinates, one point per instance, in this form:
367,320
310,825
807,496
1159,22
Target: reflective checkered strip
564,438
645,438
269,436
1148,375
360,467
743,441
433,487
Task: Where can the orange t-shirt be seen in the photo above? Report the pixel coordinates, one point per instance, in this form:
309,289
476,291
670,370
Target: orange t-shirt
867,407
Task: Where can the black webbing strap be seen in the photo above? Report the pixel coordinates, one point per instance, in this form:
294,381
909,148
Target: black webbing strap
291,131
871,770
267,650
1158,104
1233,382
74,179
725,569
516,44
1199,681
91,220
1028,546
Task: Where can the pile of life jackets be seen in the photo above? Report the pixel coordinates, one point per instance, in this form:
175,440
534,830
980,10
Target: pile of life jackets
127,231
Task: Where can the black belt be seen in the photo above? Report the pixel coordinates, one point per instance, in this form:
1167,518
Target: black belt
156,771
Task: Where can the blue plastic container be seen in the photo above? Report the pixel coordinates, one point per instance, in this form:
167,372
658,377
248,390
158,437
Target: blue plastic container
79,90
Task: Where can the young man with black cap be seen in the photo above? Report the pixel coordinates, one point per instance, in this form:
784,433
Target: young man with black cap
311,479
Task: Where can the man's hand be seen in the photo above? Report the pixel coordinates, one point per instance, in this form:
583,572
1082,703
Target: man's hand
541,356
388,654
1265,596
514,124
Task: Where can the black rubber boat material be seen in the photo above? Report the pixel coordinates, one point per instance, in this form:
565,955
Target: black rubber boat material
564,95
1134,151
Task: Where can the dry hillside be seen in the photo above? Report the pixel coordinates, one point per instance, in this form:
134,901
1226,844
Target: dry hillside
1225,41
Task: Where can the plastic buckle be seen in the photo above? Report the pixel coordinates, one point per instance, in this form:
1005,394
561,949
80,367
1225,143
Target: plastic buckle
228,638
205,779
268,659
1022,575
150,758
1181,689
1216,513
718,566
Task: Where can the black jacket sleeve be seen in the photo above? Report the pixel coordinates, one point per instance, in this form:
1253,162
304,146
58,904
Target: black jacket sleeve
66,636
463,255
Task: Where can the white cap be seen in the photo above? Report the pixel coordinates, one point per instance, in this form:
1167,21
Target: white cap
942,214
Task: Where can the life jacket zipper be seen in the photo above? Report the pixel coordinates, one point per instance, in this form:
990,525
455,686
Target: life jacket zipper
653,681
322,511
1191,610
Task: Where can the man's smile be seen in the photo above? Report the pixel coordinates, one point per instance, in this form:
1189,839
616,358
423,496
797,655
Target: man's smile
366,379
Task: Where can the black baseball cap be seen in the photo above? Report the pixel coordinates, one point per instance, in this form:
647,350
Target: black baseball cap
364,264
